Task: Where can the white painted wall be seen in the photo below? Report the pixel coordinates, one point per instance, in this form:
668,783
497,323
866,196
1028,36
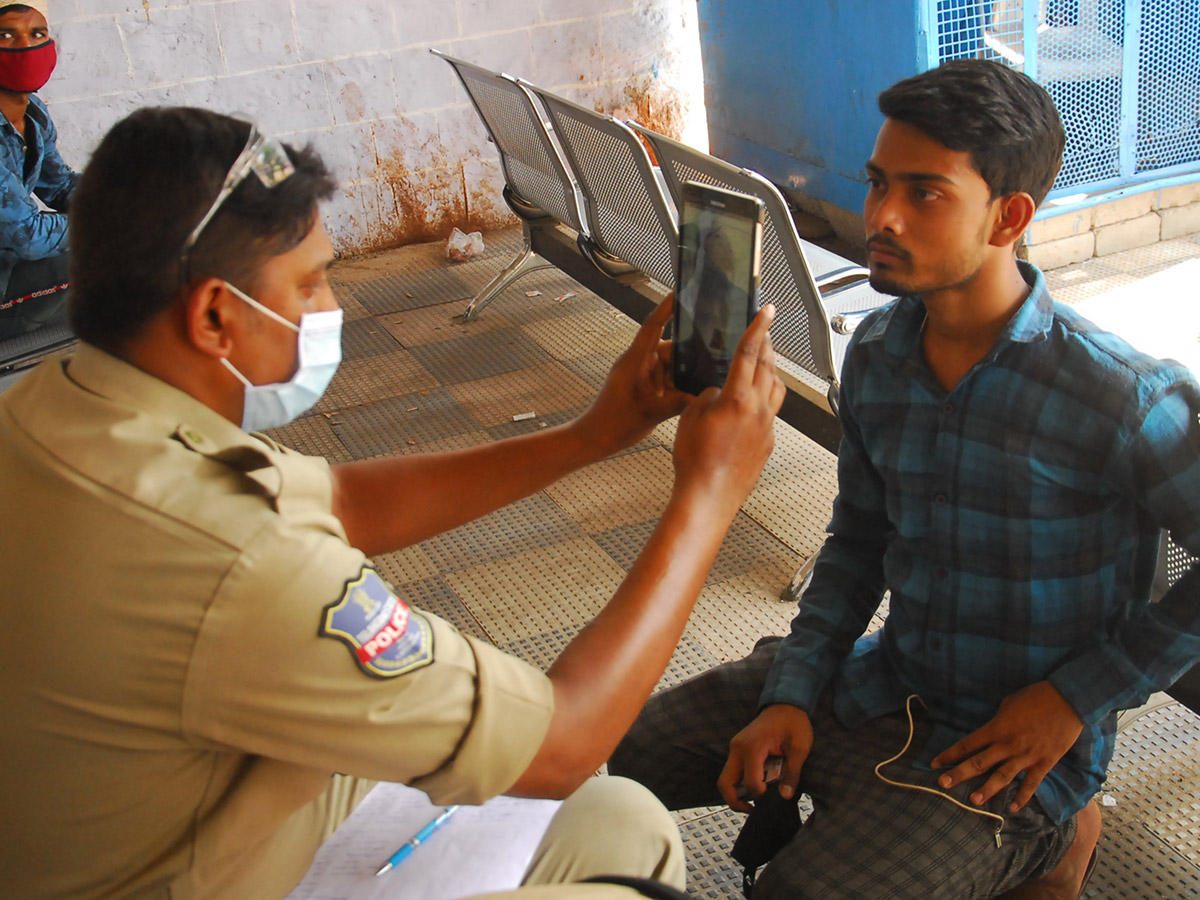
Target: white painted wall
355,79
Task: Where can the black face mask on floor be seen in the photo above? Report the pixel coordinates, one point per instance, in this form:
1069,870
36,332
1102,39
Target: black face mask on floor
772,823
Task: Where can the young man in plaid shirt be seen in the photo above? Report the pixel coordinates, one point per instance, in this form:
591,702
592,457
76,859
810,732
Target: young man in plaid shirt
1005,472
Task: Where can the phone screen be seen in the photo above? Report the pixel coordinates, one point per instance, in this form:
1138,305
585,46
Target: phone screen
717,293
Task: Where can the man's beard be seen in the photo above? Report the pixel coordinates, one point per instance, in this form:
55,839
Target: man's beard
887,285
880,281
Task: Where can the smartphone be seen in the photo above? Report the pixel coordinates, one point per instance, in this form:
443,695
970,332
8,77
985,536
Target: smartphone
772,772
716,289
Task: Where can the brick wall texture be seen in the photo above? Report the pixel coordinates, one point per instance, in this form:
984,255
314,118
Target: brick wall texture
1136,220
357,81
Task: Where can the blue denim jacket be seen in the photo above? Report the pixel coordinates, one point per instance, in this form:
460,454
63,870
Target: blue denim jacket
27,232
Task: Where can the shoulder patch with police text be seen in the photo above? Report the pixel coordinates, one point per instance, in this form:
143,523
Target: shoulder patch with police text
385,635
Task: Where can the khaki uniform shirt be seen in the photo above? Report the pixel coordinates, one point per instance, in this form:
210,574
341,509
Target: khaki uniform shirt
190,649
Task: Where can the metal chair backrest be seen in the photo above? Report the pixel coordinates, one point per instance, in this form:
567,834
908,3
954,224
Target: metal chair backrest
1179,561
801,331
1174,562
534,168
22,350
626,210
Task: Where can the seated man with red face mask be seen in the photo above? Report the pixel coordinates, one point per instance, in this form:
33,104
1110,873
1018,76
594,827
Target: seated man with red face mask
36,184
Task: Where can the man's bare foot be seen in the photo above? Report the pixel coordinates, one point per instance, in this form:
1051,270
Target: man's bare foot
1066,880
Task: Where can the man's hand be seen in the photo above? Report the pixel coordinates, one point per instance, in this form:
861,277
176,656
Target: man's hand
1030,733
637,395
779,730
726,434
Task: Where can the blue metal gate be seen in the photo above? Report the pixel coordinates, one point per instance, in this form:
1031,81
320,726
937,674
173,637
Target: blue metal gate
1125,75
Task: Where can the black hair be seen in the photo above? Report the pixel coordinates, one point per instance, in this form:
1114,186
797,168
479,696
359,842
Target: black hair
1005,120
148,184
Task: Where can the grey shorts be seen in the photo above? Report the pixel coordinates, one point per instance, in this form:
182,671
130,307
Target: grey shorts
864,839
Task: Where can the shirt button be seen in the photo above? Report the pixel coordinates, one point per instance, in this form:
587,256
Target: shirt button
947,409
939,499
940,572
936,643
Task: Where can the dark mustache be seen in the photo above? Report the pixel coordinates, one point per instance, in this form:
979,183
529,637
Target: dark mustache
882,240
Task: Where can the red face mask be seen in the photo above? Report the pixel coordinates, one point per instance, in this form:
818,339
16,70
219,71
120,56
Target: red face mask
26,69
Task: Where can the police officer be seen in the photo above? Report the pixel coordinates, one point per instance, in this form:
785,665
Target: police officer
194,639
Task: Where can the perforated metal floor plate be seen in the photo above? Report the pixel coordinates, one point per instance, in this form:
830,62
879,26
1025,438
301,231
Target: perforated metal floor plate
362,381
389,425
404,566
544,389
517,305
1077,282
560,586
794,496
1157,257
365,338
732,615
708,841
314,435
411,290
591,368
351,308
621,491
747,545
541,419
484,355
605,331
1150,845
437,597
526,525
439,323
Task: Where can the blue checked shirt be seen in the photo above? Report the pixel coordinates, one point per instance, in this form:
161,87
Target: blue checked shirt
1016,522
27,232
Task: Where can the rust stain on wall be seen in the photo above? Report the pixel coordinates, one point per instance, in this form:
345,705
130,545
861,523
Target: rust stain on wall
354,101
650,103
426,189
426,204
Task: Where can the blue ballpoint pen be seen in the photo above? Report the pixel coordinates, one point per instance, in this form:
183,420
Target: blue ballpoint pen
419,838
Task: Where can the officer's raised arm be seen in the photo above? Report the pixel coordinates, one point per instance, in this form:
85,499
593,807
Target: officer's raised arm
606,673
389,503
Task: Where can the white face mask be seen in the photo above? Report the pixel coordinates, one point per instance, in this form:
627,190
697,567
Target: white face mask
320,350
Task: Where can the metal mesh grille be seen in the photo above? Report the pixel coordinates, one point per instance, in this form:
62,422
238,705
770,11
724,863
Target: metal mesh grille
780,284
525,150
961,25
1169,84
620,210
1079,63
1125,75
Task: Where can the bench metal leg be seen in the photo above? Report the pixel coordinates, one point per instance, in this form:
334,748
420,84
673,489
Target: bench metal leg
799,581
523,263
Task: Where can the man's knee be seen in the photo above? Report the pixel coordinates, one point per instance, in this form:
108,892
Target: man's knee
610,826
631,754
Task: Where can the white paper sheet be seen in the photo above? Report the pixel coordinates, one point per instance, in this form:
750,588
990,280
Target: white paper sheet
479,849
